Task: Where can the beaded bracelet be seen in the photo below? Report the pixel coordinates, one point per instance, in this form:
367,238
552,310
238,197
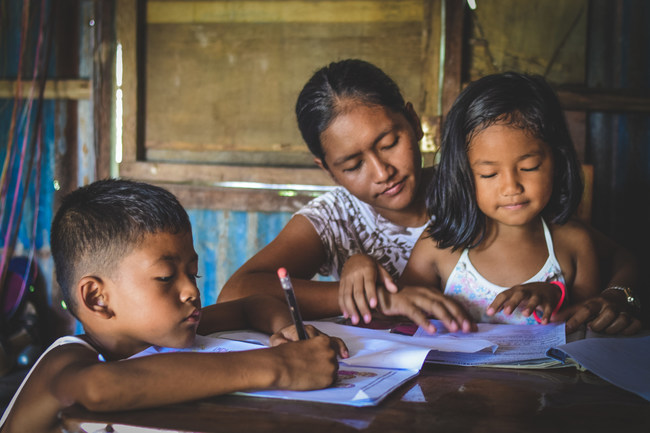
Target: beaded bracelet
560,284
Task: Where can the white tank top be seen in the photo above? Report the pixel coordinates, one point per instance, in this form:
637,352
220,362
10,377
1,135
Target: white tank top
68,339
467,286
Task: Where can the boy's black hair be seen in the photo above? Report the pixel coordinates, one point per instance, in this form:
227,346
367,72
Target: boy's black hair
518,100
97,225
319,101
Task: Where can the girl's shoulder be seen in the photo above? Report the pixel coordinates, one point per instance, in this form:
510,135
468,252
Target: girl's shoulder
573,234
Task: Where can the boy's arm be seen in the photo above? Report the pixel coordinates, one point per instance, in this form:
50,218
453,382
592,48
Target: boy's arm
72,374
299,249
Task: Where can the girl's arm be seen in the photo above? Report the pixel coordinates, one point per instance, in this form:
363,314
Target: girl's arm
299,249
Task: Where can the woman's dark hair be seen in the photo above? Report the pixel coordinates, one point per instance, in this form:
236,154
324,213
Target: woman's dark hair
320,100
520,101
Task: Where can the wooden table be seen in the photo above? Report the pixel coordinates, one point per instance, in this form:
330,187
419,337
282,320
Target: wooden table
440,399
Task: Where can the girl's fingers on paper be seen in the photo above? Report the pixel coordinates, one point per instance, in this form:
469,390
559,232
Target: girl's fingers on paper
497,303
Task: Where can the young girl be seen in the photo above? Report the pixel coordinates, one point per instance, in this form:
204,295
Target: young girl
502,243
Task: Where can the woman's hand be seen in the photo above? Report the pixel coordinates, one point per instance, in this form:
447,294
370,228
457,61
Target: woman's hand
529,297
607,313
418,303
360,277
290,333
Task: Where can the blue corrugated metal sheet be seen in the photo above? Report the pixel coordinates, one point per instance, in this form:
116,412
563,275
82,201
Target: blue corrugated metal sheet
224,240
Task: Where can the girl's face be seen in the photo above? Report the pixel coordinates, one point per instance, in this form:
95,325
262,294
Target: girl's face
373,153
513,174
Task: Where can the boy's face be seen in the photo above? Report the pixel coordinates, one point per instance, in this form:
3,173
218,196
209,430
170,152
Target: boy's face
153,294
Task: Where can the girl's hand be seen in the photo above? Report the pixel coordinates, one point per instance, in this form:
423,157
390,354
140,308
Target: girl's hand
290,333
418,303
360,277
607,313
530,297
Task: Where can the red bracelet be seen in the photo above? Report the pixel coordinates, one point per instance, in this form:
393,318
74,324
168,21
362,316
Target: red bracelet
560,284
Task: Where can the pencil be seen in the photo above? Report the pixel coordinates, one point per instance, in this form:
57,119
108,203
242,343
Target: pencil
291,300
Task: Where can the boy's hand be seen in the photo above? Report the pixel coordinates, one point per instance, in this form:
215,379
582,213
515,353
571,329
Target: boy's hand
360,277
605,313
531,296
306,364
290,333
418,303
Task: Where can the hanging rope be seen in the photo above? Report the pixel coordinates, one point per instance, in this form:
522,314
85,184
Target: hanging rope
30,152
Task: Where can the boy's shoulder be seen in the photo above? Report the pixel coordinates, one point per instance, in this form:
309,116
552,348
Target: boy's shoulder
39,388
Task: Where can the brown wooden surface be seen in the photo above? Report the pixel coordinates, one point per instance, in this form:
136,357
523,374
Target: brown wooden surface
441,399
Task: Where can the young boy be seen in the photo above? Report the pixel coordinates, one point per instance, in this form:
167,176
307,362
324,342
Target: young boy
126,264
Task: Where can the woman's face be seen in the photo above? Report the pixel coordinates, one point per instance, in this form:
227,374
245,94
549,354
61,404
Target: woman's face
373,153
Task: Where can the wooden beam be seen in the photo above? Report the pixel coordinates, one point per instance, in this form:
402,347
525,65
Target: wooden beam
54,89
237,199
454,17
622,101
205,174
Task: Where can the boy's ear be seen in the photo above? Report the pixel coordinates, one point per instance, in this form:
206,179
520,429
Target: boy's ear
93,296
319,162
414,120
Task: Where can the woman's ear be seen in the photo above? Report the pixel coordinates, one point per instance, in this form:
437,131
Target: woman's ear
414,120
94,298
319,162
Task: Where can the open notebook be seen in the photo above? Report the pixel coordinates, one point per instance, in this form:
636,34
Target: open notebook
379,362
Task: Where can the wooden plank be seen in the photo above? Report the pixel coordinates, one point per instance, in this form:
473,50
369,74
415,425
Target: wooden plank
622,101
237,199
283,11
54,89
125,28
203,174
103,93
453,57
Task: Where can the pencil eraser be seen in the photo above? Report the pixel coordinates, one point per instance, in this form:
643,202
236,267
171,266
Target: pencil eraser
282,273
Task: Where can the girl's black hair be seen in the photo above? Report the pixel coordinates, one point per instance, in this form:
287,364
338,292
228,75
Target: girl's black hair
319,101
521,101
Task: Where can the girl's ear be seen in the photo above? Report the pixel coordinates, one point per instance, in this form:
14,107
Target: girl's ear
319,162
414,120
94,298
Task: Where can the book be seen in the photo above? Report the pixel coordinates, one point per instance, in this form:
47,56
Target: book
514,346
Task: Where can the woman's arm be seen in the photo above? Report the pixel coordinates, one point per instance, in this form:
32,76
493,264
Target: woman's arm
602,310
299,249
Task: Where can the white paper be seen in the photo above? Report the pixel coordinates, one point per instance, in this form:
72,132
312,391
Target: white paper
516,345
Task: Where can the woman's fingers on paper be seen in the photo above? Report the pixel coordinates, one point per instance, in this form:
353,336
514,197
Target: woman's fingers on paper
360,300
387,280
